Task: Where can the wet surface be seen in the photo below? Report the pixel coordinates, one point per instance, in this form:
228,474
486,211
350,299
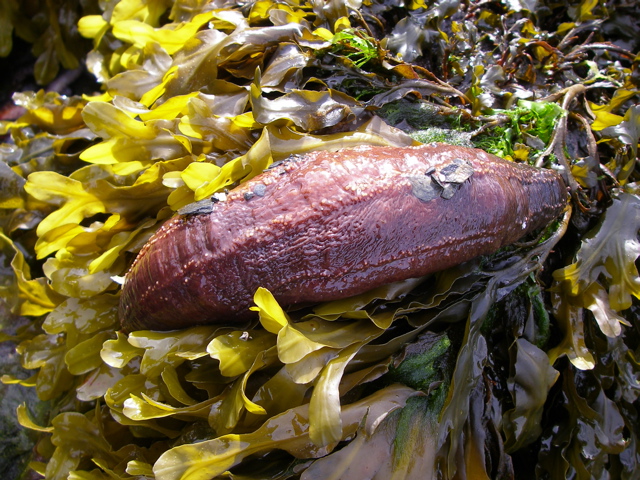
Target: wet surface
338,224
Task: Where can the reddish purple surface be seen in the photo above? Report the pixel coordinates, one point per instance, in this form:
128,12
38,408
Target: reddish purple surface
331,225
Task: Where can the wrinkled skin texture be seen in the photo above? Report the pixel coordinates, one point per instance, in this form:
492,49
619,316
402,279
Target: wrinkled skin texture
329,225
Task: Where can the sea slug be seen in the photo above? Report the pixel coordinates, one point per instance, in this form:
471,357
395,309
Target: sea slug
328,225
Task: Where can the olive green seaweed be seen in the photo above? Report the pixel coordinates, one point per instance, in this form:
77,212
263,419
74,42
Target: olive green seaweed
522,363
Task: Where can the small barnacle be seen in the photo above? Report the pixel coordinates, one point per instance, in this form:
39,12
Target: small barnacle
260,189
219,197
458,171
449,190
197,208
424,187
447,180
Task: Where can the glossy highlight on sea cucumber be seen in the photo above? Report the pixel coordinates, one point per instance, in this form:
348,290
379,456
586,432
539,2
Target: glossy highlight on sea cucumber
328,225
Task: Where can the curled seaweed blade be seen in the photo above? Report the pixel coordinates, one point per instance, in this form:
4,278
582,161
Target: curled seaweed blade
53,113
107,120
589,430
609,251
75,436
44,352
366,456
131,141
85,356
145,408
70,195
119,352
278,394
26,421
309,367
169,348
529,384
325,423
354,307
295,341
135,83
307,109
140,33
628,133
286,141
223,132
288,431
226,416
241,168
571,321
464,402
272,316
30,296
83,316
237,350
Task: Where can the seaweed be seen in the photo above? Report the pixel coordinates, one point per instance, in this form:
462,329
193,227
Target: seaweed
523,363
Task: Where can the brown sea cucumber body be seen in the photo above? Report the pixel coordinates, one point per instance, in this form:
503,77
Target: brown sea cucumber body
329,225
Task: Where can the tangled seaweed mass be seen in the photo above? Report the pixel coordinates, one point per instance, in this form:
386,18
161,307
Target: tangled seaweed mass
515,359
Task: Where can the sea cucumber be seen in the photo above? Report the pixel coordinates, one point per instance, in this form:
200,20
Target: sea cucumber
331,224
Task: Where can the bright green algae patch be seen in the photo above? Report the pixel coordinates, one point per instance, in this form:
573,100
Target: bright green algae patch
521,362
